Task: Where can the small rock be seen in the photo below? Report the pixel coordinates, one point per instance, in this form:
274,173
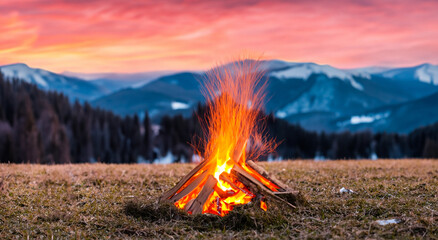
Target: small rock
345,190
388,221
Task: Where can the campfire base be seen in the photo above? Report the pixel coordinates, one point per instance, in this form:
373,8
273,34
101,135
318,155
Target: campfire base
258,190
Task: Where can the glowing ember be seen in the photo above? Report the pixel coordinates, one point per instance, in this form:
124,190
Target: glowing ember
234,135
263,205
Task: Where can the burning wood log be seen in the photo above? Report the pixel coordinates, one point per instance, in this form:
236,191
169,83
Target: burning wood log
224,177
198,204
183,181
285,192
190,187
264,173
256,186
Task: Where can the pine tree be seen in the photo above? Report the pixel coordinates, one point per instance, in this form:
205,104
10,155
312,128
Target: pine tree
147,138
55,142
6,143
430,149
26,136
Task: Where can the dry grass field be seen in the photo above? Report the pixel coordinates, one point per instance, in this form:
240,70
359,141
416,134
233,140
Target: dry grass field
119,202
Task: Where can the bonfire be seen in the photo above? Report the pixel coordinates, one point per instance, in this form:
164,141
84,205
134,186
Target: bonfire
228,176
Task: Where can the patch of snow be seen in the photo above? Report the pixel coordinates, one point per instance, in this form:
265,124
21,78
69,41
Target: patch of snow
303,71
360,74
356,85
179,105
22,71
276,64
360,119
427,73
388,221
40,81
183,159
196,158
155,129
169,158
281,114
320,158
274,159
345,190
366,72
142,160
367,118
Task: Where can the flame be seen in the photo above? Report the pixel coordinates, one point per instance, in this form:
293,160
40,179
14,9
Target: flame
235,94
263,205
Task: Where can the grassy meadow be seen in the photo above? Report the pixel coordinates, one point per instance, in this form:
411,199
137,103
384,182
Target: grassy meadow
119,202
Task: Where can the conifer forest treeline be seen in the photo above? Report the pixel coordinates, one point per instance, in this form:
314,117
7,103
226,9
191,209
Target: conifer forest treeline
45,127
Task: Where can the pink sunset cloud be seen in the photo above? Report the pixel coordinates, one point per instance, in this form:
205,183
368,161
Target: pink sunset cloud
132,36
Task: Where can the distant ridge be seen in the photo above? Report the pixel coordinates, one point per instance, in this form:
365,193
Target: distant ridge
75,88
318,97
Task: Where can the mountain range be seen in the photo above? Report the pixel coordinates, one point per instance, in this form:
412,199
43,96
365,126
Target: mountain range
318,97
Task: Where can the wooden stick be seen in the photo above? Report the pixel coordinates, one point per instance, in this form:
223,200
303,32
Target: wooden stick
197,206
223,194
186,178
189,204
252,179
265,174
292,197
190,187
256,186
286,193
226,179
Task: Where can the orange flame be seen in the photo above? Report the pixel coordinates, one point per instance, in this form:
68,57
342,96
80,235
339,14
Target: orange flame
235,94
263,205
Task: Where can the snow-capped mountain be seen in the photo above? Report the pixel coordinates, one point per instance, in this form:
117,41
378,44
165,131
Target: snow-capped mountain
305,93
313,95
305,70
328,95
426,73
366,72
318,97
75,88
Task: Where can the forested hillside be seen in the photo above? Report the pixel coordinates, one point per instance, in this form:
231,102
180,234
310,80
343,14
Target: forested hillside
44,127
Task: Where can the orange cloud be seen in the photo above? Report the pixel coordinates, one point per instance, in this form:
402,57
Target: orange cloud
16,34
131,36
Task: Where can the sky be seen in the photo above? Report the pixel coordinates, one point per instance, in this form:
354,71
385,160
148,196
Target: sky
135,36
